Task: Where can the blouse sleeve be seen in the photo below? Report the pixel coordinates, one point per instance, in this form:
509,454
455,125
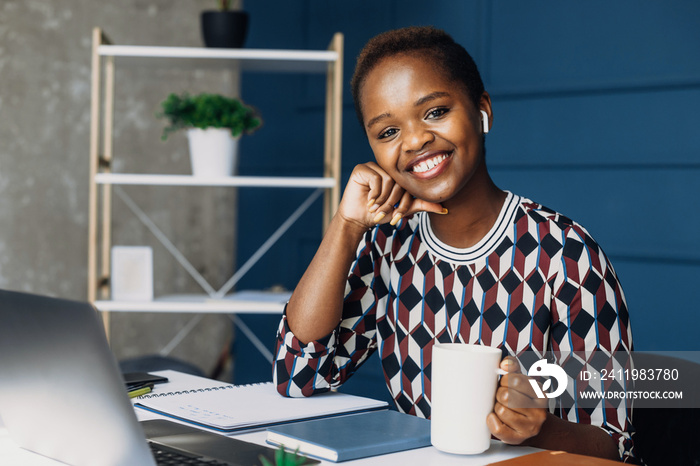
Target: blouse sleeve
302,370
591,330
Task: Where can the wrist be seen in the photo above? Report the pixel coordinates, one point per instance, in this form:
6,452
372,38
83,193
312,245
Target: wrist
350,229
551,425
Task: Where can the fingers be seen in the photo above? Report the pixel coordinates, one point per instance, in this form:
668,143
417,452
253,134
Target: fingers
517,394
515,427
381,187
367,190
510,364
372,196
386,205
518,413
515,391
516,416
398,210
501,430
389,202
419,205
517,382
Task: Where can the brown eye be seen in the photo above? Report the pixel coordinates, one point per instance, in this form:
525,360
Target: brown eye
437,113
387,133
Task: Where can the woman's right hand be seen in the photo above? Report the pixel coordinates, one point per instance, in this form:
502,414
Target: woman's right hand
372,196
316,305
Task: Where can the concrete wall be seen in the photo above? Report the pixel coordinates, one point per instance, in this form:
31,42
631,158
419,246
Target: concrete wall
45,48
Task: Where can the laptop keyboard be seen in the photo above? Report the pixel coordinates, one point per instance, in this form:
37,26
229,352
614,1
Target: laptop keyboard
167,457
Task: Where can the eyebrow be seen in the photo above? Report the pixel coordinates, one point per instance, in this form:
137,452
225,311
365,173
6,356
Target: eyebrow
431,96
421,101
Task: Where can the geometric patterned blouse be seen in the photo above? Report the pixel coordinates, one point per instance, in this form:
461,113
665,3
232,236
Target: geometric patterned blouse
536,284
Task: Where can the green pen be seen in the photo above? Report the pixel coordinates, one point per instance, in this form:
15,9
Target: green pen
140,391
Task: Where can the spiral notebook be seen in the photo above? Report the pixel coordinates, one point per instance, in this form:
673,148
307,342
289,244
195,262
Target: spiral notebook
231,408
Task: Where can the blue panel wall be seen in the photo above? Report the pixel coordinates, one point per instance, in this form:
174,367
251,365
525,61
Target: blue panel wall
595,115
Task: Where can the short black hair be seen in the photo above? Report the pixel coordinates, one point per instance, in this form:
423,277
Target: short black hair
427,40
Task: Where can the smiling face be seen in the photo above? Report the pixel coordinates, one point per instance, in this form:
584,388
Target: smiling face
423,128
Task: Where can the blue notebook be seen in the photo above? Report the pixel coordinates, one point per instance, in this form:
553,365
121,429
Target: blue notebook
353,436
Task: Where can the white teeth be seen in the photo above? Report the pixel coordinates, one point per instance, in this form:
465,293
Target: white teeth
426,165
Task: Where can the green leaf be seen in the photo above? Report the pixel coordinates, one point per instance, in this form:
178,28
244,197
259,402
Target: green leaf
284,458
208,111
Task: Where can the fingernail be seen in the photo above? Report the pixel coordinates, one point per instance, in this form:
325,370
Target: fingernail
395,219
371,202
374,207
379,216
444,211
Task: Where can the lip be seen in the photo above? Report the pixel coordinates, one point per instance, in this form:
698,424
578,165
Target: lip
432,172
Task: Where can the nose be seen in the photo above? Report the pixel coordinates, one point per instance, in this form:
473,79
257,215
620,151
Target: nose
416,137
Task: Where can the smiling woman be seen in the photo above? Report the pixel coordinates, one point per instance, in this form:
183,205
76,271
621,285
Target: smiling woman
425,248
426,134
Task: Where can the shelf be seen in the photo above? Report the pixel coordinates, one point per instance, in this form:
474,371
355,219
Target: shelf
189,180
106,59
249,59
254,302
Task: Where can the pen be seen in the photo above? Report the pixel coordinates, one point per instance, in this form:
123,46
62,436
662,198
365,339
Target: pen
140,391
136,386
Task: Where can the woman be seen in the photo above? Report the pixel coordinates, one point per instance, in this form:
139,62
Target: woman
437,252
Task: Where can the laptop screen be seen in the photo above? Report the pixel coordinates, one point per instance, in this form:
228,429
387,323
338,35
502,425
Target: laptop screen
61,393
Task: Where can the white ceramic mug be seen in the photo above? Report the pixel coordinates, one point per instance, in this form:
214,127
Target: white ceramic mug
463,389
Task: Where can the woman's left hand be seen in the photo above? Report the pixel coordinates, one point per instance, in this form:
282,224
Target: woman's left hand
518,414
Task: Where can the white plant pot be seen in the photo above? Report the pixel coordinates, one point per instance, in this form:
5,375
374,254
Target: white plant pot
213,152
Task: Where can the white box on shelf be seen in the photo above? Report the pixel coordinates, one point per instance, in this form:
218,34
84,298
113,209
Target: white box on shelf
132,273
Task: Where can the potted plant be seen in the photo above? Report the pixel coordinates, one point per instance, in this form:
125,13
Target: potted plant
285,458
214,124
224,27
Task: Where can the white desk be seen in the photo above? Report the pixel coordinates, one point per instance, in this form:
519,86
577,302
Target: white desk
427,456
11,454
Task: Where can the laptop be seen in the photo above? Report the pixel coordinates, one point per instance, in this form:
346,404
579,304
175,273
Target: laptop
62,395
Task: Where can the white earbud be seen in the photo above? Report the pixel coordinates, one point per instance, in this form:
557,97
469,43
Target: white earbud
485,121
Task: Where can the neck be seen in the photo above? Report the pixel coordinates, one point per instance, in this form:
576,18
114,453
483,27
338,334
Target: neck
472,212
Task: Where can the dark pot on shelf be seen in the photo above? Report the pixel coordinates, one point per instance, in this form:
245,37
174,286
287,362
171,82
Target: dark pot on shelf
225,29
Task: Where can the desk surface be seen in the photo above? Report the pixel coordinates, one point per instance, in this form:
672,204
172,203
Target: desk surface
427,456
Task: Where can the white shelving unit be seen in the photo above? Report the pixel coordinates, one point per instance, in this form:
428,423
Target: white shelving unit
258,302
103,181
237,181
